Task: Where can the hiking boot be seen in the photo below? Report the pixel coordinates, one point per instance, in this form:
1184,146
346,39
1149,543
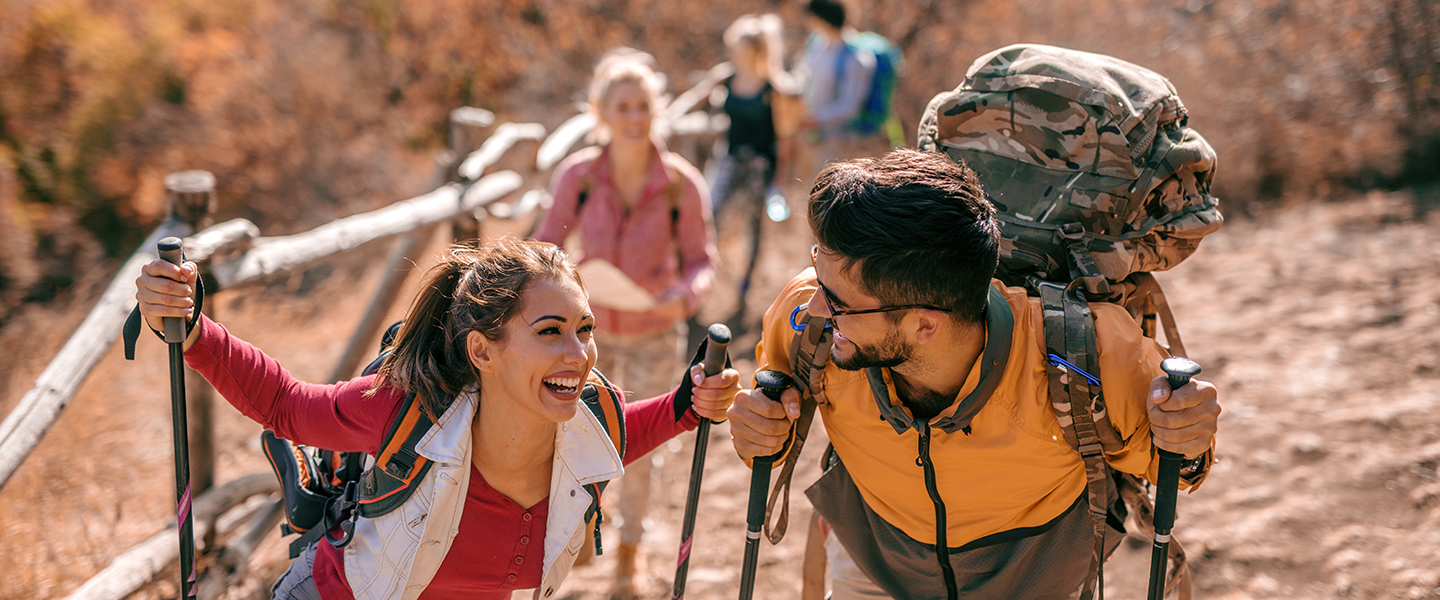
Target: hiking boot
627,571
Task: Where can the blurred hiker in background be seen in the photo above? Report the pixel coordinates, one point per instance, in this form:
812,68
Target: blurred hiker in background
643,219
497,349
752,94
842,68
764,113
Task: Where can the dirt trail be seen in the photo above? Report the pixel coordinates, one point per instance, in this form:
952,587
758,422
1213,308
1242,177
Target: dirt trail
1320,324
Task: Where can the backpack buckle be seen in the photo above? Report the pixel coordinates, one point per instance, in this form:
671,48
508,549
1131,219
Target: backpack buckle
1072,231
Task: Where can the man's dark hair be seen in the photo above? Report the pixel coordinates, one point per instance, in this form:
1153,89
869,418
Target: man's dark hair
829,11
917,223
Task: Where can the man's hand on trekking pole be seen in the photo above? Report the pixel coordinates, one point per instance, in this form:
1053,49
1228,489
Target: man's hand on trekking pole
712,395
165,289
1182,421
760,426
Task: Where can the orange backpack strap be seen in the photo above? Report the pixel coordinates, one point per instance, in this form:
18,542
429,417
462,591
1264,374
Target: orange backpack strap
809,353
603,400
388,484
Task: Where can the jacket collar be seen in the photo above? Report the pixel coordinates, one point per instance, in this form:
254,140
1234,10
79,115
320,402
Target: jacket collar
582,444
445,442
999,330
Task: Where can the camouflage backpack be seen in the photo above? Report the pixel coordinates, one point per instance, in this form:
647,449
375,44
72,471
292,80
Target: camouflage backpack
1097,180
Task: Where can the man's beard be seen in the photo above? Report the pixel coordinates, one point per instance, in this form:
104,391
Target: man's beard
890,352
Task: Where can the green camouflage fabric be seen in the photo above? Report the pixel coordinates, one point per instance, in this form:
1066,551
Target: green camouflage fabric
1061,137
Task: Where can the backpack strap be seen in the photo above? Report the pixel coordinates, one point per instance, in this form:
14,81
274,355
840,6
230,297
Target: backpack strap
388,484
809,353
603,400
1075,394
673,193
585,186
1148,300
601,397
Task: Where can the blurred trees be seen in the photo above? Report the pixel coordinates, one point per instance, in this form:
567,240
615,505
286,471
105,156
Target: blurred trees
311,110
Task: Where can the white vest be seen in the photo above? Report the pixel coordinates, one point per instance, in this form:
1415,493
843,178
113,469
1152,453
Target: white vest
397,554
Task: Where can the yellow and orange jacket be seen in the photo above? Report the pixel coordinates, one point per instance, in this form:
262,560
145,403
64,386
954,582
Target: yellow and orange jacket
1013,468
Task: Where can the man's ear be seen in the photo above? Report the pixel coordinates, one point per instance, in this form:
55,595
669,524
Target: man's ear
480,351
926,324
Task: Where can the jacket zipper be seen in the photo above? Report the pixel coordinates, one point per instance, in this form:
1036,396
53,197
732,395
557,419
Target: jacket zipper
942,549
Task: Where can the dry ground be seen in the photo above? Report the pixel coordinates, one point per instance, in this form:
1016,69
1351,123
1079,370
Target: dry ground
1320,323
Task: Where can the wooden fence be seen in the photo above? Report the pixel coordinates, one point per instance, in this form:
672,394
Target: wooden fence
497,172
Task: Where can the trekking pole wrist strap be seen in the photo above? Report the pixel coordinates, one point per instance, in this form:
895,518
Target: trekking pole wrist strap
131,332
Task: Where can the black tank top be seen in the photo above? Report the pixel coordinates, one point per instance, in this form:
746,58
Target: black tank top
752,124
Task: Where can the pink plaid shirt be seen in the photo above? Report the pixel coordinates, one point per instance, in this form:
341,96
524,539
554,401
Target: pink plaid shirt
645,244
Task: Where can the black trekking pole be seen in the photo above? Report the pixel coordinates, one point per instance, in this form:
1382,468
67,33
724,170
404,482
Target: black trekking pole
714,363
772,384
1179,371
172,251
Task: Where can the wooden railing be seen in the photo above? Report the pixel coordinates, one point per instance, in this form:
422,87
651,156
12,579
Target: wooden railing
498,173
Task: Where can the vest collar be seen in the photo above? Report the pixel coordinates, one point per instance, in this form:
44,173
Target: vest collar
581,442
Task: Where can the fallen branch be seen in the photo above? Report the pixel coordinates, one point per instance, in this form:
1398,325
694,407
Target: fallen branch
233,560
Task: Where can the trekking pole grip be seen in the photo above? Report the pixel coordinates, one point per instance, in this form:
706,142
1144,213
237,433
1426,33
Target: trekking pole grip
172,250
1178,371
772,384
719,344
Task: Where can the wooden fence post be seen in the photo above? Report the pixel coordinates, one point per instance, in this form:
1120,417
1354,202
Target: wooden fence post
469,126
192,200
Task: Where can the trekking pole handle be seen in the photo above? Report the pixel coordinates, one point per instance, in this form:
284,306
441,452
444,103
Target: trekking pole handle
719,343
172,250
1178,371
772,384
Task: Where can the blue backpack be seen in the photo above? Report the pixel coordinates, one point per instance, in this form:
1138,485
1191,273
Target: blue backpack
875,114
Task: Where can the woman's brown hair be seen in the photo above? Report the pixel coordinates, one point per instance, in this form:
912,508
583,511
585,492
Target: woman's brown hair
472,289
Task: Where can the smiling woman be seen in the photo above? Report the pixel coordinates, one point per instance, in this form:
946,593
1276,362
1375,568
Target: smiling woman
498,348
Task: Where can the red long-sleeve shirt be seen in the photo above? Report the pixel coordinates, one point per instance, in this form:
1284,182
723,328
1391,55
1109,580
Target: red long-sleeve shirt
500,546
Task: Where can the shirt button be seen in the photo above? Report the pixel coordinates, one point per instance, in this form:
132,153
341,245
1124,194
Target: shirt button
524,539
525,517
510,578
519,559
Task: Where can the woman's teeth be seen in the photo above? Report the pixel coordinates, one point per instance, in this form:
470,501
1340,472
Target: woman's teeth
562,385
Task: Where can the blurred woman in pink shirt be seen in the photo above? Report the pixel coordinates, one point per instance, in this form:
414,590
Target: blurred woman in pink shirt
646,211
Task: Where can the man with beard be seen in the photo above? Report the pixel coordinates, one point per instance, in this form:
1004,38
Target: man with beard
947,458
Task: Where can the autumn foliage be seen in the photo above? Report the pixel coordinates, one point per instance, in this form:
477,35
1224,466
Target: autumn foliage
307,111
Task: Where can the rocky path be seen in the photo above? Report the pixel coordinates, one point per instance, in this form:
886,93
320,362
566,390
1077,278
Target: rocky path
1320,323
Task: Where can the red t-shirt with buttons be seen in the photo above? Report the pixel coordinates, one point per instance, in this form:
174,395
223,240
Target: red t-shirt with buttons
500,546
